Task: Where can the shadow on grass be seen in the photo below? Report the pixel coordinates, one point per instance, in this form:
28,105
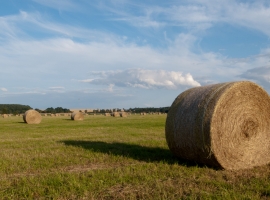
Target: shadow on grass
141,153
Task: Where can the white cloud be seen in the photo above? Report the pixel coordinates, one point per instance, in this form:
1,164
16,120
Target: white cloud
147,79
110,88
72,60
3,89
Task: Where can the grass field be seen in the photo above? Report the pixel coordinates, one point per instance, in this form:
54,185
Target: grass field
110,158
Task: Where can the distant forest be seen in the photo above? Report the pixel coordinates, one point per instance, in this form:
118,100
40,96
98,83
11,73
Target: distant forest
18,109
149,110
54,110
13,108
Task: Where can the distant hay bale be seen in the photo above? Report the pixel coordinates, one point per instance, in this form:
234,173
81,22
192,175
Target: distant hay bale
77,116
32,117
123,114
116,114
4,115
107,114
223,125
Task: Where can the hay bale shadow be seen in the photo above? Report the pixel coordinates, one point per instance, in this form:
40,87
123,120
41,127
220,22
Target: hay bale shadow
137,152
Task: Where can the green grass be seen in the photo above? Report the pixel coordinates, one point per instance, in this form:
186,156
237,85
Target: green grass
110,158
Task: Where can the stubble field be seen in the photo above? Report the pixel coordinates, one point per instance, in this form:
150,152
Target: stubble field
110,158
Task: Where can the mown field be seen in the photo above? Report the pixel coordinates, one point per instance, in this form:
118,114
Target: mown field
110,158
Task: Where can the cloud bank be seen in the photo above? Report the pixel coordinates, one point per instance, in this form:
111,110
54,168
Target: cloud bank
141,78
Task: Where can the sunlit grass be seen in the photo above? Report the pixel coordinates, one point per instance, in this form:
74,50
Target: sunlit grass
110,158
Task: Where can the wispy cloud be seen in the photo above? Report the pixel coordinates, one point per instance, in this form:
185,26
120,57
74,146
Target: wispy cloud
61,5
195,14
56,87
147,79
22,26
3,89
261,75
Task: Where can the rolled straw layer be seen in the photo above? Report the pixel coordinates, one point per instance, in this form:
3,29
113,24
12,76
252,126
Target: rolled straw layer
77,116
32,117
223,125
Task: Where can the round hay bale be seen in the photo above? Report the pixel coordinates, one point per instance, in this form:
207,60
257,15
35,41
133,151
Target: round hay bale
4,115
116,114
123,114
32,117
77,116
222,125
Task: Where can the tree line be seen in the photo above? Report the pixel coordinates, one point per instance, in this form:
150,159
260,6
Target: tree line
54,110
13,108
135,110
18,108
150,110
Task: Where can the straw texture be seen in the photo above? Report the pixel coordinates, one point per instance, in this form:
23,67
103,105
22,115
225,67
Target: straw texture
223,125
77,116
32,117
116,114
123,114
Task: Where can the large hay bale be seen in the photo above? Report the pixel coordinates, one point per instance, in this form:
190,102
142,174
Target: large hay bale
32,117
77,116
107,114
223,125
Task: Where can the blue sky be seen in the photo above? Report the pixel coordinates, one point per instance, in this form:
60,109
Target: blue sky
125,54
